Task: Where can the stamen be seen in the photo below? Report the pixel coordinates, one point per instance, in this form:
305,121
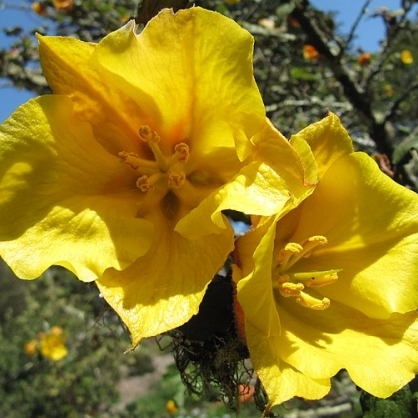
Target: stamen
291,284
134,161
182,152
175,180
289,289
309,301
148,135
287,252
152,139
294,251
146,183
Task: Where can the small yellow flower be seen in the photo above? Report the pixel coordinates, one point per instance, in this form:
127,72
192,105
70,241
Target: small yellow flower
52,344
331,285
171,407
406,57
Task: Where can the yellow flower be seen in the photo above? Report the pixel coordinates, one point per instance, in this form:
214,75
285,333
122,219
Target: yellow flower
52,344
122,174
406,57
333,284
171,407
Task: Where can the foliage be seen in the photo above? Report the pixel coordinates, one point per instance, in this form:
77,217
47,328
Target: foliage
402,404
82,382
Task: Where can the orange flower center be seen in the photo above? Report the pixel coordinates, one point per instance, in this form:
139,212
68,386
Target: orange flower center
295,284
171,168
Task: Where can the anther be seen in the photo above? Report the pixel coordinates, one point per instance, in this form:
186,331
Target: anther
175,180
309,301
130,158
295,284
289,289
287,252
293,251
146,183
135,162
182,152
147,134
143,184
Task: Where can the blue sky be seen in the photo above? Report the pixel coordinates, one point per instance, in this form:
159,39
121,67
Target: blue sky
370,31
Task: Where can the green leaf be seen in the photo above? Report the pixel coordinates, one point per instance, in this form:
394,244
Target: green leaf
301,74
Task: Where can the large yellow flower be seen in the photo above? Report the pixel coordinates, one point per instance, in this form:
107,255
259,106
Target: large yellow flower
333,284
121,175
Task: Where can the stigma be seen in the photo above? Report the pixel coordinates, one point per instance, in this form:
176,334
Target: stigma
292,283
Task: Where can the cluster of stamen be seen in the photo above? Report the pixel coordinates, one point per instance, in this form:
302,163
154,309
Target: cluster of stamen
151,172
295,284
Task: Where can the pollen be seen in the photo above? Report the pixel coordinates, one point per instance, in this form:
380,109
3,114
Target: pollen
175,180
297,284
148,135
182,152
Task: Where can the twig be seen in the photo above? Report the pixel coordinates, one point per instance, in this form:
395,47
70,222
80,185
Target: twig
360,101
395,105
354,27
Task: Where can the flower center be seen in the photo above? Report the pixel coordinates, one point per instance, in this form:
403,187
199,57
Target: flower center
171,168
295,284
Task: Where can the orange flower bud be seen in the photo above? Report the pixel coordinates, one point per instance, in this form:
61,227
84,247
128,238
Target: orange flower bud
39,8
63,5
310,53
364,59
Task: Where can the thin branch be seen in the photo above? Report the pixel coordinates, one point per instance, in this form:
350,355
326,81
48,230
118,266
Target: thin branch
396,104
387,50
354,27
360,101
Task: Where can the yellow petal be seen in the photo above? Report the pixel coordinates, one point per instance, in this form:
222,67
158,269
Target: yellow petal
275,182
372,230
189,83
280,380
63,198
164,288
115,118
328,140
255,290
379,354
